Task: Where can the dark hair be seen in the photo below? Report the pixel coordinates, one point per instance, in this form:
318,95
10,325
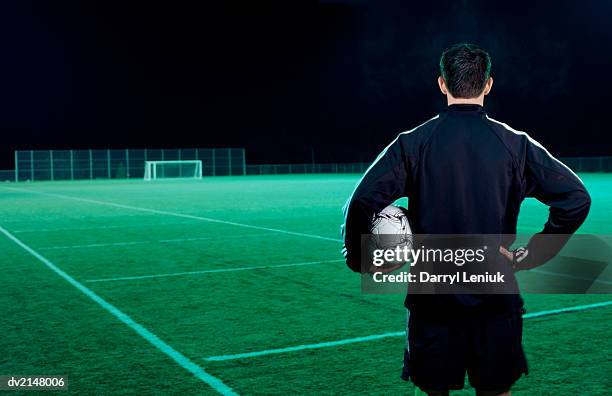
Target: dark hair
466,69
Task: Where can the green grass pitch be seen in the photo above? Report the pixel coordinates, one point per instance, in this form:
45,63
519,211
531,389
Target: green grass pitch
177,257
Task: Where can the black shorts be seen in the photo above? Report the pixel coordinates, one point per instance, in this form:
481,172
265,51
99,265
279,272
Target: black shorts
487,347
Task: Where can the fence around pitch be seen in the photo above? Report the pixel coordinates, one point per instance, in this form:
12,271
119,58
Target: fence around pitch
7,175
278,169
100,168
36,165
589,164
577,164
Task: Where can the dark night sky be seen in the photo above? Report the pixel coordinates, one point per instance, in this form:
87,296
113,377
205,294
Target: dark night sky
282,78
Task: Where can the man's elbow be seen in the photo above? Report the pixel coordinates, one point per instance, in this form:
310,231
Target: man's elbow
585,199
569,216
582,208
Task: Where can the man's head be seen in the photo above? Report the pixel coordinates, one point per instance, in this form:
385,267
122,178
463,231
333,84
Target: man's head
465,72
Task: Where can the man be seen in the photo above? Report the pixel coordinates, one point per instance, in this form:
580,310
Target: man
466,173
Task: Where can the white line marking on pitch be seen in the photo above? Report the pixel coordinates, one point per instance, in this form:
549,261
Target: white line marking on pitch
154,340
307,346
216,237
95,245
575,308
101,227
213,271
387,335
176,214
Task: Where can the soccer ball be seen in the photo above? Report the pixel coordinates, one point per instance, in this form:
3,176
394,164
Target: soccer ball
390,228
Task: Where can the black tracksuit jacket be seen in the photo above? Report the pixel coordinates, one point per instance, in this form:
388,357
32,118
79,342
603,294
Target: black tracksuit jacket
465,173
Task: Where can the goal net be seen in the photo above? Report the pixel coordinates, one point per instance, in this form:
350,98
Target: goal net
191,169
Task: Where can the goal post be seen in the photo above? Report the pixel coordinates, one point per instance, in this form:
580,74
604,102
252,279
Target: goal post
181,169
